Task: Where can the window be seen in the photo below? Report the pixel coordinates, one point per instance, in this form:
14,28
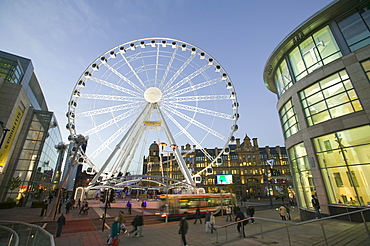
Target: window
329,98
355,28
314,52
366,67
289,119
302,174
344,164
10,71
283,80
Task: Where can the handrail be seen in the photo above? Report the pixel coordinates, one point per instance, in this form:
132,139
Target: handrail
295,223
39,228
16,237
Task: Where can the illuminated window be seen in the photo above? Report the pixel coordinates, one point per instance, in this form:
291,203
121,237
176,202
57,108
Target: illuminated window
366,67
302,174
283,80
288,119
344,162
315,51
330,98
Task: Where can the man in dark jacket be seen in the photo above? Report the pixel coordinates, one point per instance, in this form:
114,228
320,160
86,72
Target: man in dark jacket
61,222
138,223
197,216
250,213
240,216
183,228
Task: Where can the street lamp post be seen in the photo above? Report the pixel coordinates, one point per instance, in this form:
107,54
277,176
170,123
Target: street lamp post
78,141
173,147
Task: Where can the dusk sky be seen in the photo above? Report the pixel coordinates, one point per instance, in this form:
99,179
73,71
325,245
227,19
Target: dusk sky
63,37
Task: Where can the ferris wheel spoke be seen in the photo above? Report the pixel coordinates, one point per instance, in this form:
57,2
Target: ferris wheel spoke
194,87
121,76
116,87
197,98
187,79
168,67
136,75
106,144
178,72
109,109
191,138
110,122
200,110
196,123
110,97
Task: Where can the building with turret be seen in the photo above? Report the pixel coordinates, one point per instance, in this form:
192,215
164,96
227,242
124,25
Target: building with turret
247,170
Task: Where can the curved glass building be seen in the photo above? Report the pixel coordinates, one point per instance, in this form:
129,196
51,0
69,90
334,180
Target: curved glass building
320,73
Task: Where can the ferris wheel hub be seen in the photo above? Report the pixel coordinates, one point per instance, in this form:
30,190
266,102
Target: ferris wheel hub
153,95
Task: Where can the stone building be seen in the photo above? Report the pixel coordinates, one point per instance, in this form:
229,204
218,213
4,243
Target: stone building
251,172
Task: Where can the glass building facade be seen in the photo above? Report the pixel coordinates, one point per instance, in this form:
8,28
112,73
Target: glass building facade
28,152
320,74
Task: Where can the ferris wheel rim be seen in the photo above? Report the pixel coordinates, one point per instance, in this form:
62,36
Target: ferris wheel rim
199,51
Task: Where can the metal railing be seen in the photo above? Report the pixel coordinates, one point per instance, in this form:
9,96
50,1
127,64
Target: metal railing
27,234
334,230
8,236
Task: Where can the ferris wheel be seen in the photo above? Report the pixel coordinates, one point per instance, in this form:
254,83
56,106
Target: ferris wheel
153,89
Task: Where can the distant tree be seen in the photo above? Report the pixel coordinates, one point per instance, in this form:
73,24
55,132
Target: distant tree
13,184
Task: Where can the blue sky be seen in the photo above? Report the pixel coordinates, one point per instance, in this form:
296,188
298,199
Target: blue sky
63,37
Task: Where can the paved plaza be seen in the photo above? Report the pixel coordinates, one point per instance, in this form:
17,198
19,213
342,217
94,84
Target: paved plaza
86,230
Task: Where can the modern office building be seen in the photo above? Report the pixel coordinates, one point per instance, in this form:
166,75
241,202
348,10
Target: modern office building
30,131
320,73
247,170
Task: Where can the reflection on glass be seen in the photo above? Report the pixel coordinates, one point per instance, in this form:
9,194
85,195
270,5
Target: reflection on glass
354,28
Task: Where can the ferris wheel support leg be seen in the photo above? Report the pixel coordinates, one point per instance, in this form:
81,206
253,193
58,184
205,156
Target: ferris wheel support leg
125,150
118,146
131,145
185,171
129,155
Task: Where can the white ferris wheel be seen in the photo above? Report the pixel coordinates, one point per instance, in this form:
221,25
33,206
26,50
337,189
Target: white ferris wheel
152,89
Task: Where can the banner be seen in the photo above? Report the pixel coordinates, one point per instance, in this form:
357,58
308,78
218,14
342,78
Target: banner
9,138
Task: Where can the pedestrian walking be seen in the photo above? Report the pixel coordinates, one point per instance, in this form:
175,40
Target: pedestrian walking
250,213
114,235
207,219
50,197
197,216
59,208
68,206
61,222
183,228
129,206
283,212
240,216
143,205
212,222
138,223
288,211
86,208
228,214
316,205
122,221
